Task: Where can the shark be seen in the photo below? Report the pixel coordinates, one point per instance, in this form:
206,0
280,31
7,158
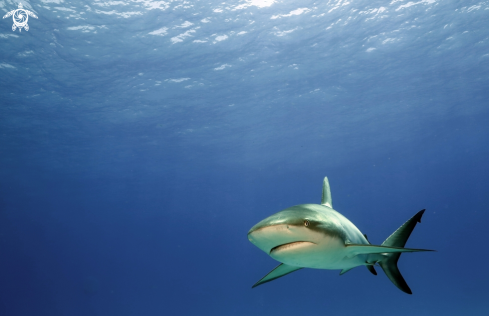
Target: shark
317,236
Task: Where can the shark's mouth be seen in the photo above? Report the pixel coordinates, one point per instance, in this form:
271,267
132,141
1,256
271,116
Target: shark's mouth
290,245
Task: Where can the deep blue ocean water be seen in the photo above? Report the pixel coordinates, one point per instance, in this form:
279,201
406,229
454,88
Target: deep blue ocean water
141,140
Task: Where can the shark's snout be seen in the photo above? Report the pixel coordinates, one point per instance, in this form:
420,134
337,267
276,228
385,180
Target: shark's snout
268,237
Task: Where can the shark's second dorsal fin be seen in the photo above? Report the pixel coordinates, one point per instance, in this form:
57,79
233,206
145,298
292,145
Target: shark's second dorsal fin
326,198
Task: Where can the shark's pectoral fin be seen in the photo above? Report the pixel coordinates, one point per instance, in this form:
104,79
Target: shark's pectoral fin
359,249
281,270
345,271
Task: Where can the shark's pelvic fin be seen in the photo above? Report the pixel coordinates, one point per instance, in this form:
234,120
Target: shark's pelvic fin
279,271
398,239
371,269
326,197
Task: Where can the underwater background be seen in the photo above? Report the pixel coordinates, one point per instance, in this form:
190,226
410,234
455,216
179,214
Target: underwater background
140,140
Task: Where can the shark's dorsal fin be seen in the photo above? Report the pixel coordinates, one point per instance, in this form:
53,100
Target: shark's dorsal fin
326,198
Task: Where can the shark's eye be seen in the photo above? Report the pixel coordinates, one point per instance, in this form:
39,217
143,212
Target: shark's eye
306,223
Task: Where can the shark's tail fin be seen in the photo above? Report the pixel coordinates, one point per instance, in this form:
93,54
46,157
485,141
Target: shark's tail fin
398,239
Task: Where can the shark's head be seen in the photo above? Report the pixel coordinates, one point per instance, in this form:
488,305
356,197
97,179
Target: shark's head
296,234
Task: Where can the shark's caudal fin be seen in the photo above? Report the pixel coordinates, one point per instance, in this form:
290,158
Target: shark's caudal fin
326,197
390,251
398,239
279,271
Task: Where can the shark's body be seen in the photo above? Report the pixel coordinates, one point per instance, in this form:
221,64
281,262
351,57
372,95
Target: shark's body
316,236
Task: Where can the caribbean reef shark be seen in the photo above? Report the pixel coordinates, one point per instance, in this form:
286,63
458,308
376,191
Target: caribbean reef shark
316,236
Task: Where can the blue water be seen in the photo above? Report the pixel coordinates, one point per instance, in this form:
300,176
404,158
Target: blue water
141,140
